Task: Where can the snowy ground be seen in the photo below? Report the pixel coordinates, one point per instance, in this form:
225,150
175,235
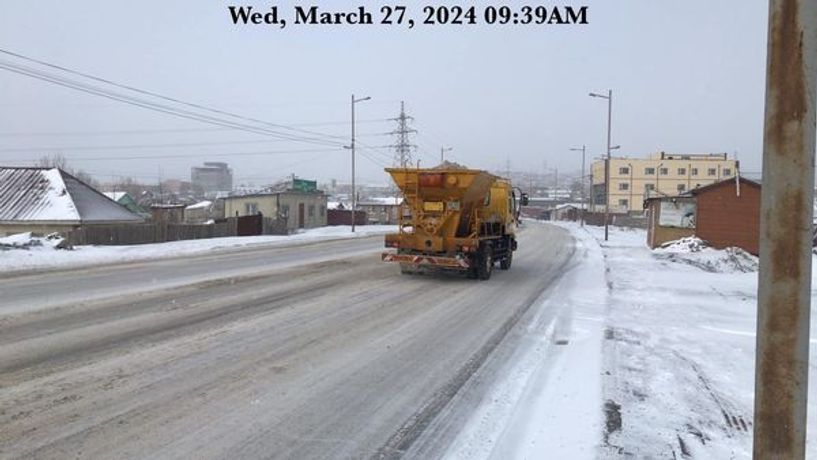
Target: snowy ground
45,256
651,356
678,354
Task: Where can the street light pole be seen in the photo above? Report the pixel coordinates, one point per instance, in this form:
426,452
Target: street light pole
442,153
630,202
584,177
354,189
609,98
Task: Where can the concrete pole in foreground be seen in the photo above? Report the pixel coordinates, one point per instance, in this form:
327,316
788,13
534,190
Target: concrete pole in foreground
784,285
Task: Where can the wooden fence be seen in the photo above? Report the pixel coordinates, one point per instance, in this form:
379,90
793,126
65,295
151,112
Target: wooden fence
160,232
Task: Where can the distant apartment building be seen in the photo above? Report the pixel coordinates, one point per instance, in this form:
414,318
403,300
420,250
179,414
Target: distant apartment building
212,177
662,174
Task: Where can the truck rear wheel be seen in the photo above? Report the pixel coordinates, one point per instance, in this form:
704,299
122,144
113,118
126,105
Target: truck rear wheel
485,262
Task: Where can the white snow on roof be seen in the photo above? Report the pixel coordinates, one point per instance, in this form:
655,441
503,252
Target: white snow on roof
52,195
116,196
60,206
382,200
200,205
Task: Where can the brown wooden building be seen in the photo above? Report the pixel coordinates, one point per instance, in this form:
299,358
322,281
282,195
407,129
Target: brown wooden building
728,214
724,214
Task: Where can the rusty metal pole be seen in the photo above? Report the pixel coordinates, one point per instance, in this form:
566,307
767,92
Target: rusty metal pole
784,285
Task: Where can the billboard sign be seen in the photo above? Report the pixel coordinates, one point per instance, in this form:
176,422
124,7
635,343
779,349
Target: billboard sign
677,213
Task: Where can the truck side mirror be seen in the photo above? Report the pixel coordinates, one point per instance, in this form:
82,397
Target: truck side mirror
524,201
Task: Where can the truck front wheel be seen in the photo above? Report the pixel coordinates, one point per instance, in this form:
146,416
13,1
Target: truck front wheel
505,263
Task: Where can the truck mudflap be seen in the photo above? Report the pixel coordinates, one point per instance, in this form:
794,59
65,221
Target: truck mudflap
456,262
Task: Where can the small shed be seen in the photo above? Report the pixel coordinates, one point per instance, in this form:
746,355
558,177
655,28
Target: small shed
728,214
567,211
199,213
669,218
381,210
167,213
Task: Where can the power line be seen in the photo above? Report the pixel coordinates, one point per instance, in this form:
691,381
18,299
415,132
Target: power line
33,73
166,130
161,96
152,106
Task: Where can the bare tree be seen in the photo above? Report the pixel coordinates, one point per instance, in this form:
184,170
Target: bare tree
55,160
58,160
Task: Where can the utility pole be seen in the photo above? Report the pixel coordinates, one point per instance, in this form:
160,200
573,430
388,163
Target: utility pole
161,192
784,280
442,153
352,147
609,98
403,146
584,203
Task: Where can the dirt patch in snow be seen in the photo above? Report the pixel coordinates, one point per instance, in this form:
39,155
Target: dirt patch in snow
697,253
26,241
649,383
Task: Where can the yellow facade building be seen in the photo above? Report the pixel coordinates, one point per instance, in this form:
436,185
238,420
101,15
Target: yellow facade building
634,179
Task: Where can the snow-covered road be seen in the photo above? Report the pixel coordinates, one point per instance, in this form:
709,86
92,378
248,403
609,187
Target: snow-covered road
291,358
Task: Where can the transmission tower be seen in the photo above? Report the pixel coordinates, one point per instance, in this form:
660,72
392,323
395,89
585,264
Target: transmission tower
403,147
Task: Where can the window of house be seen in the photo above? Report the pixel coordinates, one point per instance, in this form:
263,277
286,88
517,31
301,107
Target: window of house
649,171
694,171
711,172
682,187
649,187
682,171
664,171
284,209
623,186
727,171
625,203
311,210
250,209
323,211
624,170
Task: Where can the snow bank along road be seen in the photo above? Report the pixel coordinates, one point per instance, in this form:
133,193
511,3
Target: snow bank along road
317,351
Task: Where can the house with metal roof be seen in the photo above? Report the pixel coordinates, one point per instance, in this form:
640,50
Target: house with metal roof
126,200
47,200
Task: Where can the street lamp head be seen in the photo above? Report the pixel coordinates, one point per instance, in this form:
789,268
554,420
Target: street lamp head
615,147
362,99
598,95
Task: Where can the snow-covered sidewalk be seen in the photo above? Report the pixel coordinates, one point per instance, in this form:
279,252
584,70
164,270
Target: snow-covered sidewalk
678,355
46,257
648,354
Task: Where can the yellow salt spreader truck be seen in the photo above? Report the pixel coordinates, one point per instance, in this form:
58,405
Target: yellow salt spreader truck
454,219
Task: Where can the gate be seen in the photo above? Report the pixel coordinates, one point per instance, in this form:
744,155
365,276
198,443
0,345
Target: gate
250,225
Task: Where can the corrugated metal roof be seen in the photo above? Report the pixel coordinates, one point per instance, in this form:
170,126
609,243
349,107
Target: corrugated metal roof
52,195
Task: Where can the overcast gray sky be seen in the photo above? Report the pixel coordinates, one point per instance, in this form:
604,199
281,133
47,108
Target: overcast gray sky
687,77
